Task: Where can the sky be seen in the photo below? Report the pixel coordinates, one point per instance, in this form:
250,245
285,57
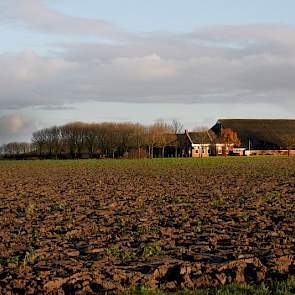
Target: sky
137,60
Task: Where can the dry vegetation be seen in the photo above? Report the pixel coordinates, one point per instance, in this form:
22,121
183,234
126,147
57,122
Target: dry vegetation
105,225
93,140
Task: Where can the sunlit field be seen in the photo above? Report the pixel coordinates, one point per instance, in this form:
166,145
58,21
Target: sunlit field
211,225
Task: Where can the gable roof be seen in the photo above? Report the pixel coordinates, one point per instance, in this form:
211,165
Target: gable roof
262,133
201,137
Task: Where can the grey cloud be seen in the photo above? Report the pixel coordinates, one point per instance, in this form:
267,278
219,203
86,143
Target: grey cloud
29,79
229,64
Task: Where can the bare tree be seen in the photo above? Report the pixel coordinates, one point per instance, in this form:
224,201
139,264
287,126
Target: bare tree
52,137
138,139
151,139
108,138
39,141
102,134
160,135
25,147
111,138
124,137
91,138
13,149
2,150
177,126
73,136
56,140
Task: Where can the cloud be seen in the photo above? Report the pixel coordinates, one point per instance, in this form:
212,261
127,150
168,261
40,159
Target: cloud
29,80
15,127
12,123
146,67
37,16
221,64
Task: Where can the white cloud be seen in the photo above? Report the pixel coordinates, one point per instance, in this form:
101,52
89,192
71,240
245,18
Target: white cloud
37,16
29,79
146,67
12,123
218,64
15,126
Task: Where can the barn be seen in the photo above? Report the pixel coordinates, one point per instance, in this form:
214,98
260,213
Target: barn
256,137
261,136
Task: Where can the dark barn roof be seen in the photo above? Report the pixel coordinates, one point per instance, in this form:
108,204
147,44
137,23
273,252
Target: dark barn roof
188,138
182,139
263,134
200,137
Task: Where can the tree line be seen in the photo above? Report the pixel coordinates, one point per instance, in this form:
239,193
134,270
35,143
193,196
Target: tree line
108,139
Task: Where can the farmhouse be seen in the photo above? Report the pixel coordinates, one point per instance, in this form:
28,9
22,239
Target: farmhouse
194,144
203,144
248,136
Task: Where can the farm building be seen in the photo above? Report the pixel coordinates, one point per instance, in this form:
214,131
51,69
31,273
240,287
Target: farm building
204,144
248,136
200,142
194,144
261,136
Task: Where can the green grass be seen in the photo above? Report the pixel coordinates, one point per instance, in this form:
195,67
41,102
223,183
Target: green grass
276,288
202,162
259,165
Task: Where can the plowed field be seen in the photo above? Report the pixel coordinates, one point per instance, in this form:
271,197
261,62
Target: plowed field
93,226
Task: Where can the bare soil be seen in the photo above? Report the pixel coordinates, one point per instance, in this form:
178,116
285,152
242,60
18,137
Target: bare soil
86,227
